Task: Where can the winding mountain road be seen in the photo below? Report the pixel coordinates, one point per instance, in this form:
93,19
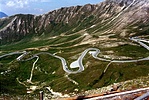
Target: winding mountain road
79,64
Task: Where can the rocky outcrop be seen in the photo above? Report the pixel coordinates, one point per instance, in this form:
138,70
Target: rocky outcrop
109,16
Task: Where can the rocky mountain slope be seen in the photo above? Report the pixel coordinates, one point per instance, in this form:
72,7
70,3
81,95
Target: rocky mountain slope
110,16
67,32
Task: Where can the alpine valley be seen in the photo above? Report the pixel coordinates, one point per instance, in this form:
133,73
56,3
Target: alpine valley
34,50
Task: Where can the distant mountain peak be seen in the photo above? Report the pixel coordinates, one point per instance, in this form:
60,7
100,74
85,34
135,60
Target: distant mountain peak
2,14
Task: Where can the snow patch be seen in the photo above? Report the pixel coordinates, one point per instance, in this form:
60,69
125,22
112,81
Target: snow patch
92,26
53,72
85,34
74,64
31,89
92,52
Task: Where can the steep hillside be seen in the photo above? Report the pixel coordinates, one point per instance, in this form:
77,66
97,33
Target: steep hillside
111,16
74,49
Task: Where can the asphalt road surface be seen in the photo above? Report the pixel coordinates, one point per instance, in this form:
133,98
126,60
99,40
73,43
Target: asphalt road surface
93,51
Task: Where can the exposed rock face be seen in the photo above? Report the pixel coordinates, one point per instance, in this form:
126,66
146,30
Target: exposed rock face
109,16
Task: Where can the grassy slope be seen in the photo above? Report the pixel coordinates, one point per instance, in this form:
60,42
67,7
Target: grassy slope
91,78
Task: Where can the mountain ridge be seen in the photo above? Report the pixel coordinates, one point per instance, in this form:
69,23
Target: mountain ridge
67,19
2,14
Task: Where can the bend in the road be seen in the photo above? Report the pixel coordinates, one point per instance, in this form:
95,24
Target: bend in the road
93,51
